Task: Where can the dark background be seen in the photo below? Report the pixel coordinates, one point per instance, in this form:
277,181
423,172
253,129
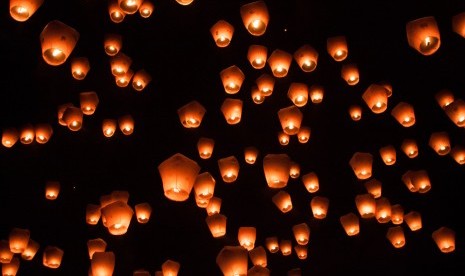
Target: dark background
174,45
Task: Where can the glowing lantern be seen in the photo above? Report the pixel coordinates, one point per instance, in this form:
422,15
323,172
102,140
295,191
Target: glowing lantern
423,35
349,73
27,134
9,137
232,78
233,261
294,170
407,179
19,239
191,114
80,67
444,98
43,132
279,62
122,196
383,210
201,201
250,155
290,118
214,206
413,220
397,214
178,174
301,233
22,10
355,112
116,13
337,47
388,154
301,251
222,33
5,254
361,163
217,224
120,64
410,148
258,270
387,86
310,181
255,17
112,44
456,112
272,244
458,24
92,214
298,93
126,124
96,245
117,217
265,84
283,138
366,205
229,168
73,118
89,101
52,257
420,180
58,41
276,168
396,236
11,268
204,186
232,110
103,263
130,6
283,201
375,96
61,110
258,256
307,58
31,250
286,247
458,153
316,93
257,55
256,95
304,134
350,223
141,79
109,127
170,268
440,143
124,79
373,187
319,206
146,9
143,212
444,239
184,2
52,189
205,147
404,114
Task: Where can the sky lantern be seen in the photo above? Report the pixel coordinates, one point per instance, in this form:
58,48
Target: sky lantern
440,143
73,118
373,187
205,147
279,62
30,251
170,268
109,127
257,56
217,224
397,214
204,186
350,223
258,270
143,212
255,17
283,201
184,3
404,114
89,102
286,247
272,244
407,179
301,233
423,35
200,201
92,214
375,96
178,174
337,47
116,13
307,58
291,119
317,93
233,261
22,10
456,112
294,170
410,148
366,205
191,114
361,163
283,138
265,84
141,79
232,79
9,137
355,112
257,96
458,153
117,217
232,110
247,237
388,86
276,168
349,73
458,24
250,155
444,97
57,41
27,134
413,220
5,254
303,136
383,210
258,256
222,33
229,168
19,238
146,9
388,154
103,264
112,43
319,206
11,268
396,236
298,94
301,251
130,6
119,195
124,79
420,180
120,64
52,189
96,245
43,133
126,124
214,206
445,239
80,66
52,257
60,111
310,181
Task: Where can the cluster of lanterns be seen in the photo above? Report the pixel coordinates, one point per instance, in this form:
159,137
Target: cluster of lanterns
41,133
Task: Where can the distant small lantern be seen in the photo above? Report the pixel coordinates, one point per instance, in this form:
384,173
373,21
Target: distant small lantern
27,134
355,112
178,174
112,43
286,247
146,9
307,58
52,189
30,251
257,56
283,138
294,170
350,223
184,3
19,238
255,17
301,233
410,148
126,124
383,210
22,10
191,114
130,6
445,239
407,179
458,24
11,268
247,236
258,256
272,244
204,186
58,41
124,79
279,62
89,102
291,119
397,214
444,98
319,207
258,270
276,168
233,261
170,268
298,94
43,133
396,236
404,114
362,163
250,155
232,79
109,127
222,33
317,93
116,13
413,220
205,147
103,263
141,79
117,217
217,225
229,168
388,154
420,180
423,35
456,112
283,201
375,96
9,137
120,64
92,214
257,96
232,110
349,73
143,212
73,118
80,66
337,47
60,111
373,187
311,183
387,85
303,136
214,206
440,143
265,84
366,205
301,251
5,254
52,257
96,245
458,153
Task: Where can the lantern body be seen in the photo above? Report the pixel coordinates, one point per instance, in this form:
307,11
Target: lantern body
57,41
130,6
19,238
116,14
413,220
11,268
456,112
311,183
407,179
420,180
52,257
301,233
92,214
458,153
27,134
290,118
349,73
298,94
96,245
122,196
272,244
337,47
120,64
283,201
301,251
204,186
373,187
387,86
316,93
258,270
217,225
375,96
257,56
307,58
404,114
178,174
30,251
43,132
304,134
423,35
319,206
205,147
52,189
350,223
396,236
255,17
73,118
140,80
444,239
294,170
112,43
126,124
397,214
283,138
214,206
250,155
109,127
117,217
258,256
232,78
440,143
79,67
444,98
383,210
256,95
361,163
279,62
143,212
388,154
410,148
276,168
22,10
222,33
9,137
232,260
191,114
5,254
61,110
146,9
265,84
232,110
366,205
124,79
458,24
355,112
229,168
103,263
286,247
89,101
184,2
170,268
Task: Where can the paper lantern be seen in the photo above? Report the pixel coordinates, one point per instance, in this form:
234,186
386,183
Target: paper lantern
222,33
130,6
366,205
319,207
283,201
89,101
298,94
444,98
387,85
337,47
232,110
375,96
233,261
258,256
316,93
92,214
109,127
361,163
307,58
204,186
103,264
420,180
301,251
404,114
458,24
122,196
458,153
396,236
258,270
423,35
286,247
112,43
255,17
117,217
445,239
217,224
456,112
11,268
283,138
265,84
303,136
120,64
350,223
257,56
27,134
178,174
30,251
383,210
276,168
301,233
279,62
52,257
22,10
61,110
250,155
96,245
191,114
146,9
349,73
290,118
440,143
232,78
205,147
355,112
413,220
410,148
185,2
407,179
388,154
170,268
73,118
79,67
373,187
57,41
200,201
43,132
229,168
116,13
124,79
9,137
214,206
126,124
141,79
52,189
397,214
311,183
294,170
19,238
256,95
272,244
143,212
5,254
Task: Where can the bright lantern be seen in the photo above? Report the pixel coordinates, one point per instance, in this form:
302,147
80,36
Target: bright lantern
423,35
22,10
58,41
222,33
255,17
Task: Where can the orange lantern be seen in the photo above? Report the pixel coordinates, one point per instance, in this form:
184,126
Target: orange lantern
30,251
366,205
301,251
103,264
22,10
222,33
141,79
217,224
52,189
43,132
396,236
19,238
388,154
276,168
283,201
256,95
420,180
96,245
116,13
301,233
316,93
423,35
204,186
383,210
349,73
440,143
112,43
458,24
80,67
120,64
109,127
184,2
361,163
407,179
122,196
170,268
58,41
290,118
232,79
92,214
205,147
126,124
404,114
52,257
130,6
304,134
307,58
298,93
310,181
232,260
444,98
272,244
286,247
250,155
178,174
232,110
257,55
89,101
11,268
124,79
388,87
258,256
117,217
265,84
146,9
445,239
255,17
373,187
283,138
413,220
279,62
456,112
73,118
200,201
337,47
143,212
375,96
27,134
319,206
9,137
294,170
61,110
229,168
214,206
355,112
397,214
410,148
458,153
5,254
350,223
258,270
191,114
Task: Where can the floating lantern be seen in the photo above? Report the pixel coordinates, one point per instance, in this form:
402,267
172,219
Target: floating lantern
397,214
279,62
22,10
407,179
43,132
5,254
355,112
265,84
304,134
10,268
122,196
233,261
130,6
310,181
116,13
232,79
456,112
319,206
109,127
89,101
92,214
298,93
383,210
205,147
413,220
141,79
373,187
258,256
301,233
283,138
283,201
396,236
294,170
404,114
204,186
258,270
170,268
375,96
257,56
366,205
200,201
458,153
423,35
255,17
232,110
96,245
217,224
30,251
80,67
301,251
410,148
458,24
316,93
256,95
124,79
337,47
191,114
229,168
388,154
143,212
117,217
387,85
120,64
222,33
146,9
184,3
19,238
250,155
420,180
349,73
214,206
52,257
350,223
103,264
272,244
444,239
126,124
444,98
112,43
27,134
440,143
276,168
361,163
52,189
286,247
57,41
61,110
246,237
307,58
9,137
72,117
290,118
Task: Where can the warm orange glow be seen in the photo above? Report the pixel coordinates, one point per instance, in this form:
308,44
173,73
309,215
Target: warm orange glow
170,268
22,10
191,114
458,24
279,62
311,183
361,163
246,237
232,78
388,154
413,220
112,43
366,205
375,96
317,93
294,170
232,110
257,96
52,257
301,233
204,186
30,251
146,9
140,80
458,153
272,244
283,138
257,56
217,224
143,212
184,3
9,137
337,47
102,264
410,148
456,112
276,168
233,260
19,238
60,111
5,254
444,98
404,114
120,64
214,206
250,155
440,143
303,136
423,35
80,67
222,33
383,210
355,112
265,84
52,189
445,239
109,127
89,102
420,180
301,251
229,168
319,207
373,187
124,79
130,6
298,94
307,58
126,124
72,117
290,118
43,133
92,214
255,17
396,236
349,73
96,245
27,134
258,256
286,247
350,223
397,214
283,201
11,268
205,147
57,41
117,217
116,14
